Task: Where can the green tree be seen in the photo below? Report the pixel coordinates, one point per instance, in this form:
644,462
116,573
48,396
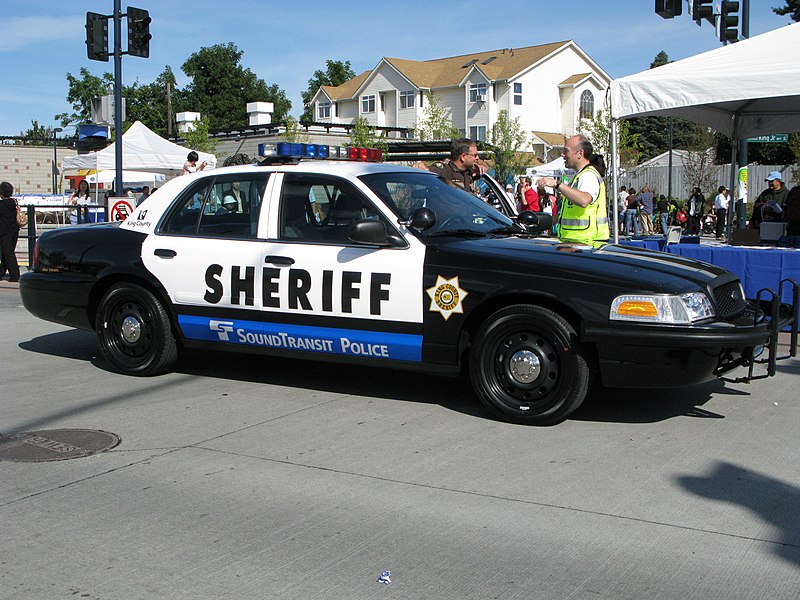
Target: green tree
792,9
197,139
221,87
363,135
598,130
38,134
437,124
294,133
508,140
80,92
148,103
794,145
336,73
653,132
662,58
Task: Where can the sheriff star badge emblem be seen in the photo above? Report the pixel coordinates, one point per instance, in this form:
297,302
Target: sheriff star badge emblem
446,297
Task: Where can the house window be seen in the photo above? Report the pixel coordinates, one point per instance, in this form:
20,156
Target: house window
407,99
518,94
587,105
324,110
368,103
477,90
478,133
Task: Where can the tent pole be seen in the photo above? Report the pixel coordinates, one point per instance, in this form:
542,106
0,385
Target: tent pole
612,197
732,202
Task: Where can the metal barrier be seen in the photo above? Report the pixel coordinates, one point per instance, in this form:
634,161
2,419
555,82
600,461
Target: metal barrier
61,217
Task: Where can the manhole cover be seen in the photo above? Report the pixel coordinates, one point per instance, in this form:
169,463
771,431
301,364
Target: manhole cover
55,444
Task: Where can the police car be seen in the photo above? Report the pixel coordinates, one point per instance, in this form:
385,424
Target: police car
385,265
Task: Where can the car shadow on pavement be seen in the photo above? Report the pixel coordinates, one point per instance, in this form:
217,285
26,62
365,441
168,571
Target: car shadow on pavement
370,381
776,502
610,405
601,405
73,343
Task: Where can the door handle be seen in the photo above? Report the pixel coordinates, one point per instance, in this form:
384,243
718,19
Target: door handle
165,253
279,260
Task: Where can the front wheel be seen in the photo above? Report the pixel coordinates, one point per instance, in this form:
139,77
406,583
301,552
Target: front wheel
134,331
526,366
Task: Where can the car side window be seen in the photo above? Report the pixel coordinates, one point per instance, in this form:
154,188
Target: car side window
319,210
225,206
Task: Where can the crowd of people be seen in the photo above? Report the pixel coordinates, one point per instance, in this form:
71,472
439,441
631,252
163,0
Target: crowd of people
582,212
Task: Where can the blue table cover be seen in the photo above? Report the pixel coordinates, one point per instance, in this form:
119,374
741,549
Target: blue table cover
757,267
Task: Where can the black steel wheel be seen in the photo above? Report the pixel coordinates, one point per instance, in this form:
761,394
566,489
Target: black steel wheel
527,366
134,331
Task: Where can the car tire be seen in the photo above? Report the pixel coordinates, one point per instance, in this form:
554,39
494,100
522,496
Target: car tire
526,366
134,331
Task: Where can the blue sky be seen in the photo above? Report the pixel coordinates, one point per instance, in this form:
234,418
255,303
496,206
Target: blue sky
284,42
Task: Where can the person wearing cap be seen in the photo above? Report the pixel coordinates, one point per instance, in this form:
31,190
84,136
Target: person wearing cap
721,210
776,191
229,205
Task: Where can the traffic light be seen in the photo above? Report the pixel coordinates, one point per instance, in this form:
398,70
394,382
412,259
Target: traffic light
139,32
703,9
728,21
669,8
97,36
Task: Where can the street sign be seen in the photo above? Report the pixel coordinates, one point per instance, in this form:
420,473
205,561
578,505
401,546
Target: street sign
121,208
775,137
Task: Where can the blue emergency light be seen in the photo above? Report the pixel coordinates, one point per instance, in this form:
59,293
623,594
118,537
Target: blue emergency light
287,150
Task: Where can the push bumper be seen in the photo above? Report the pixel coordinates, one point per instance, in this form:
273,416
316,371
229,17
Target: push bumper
643,356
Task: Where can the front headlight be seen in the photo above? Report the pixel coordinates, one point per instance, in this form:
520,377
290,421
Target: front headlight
673,310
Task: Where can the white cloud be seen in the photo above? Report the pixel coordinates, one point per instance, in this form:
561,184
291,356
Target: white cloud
44,31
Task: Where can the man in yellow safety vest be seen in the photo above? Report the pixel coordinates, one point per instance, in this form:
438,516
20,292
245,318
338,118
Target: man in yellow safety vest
583,217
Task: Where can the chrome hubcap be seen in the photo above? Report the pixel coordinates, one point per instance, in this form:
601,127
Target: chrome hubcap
525,366
131,330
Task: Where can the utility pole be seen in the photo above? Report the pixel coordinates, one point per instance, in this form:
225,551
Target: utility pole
118,96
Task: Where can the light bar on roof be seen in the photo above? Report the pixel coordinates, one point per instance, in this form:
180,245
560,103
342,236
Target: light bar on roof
319,151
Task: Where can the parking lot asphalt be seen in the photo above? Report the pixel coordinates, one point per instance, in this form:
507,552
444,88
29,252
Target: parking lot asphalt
246,477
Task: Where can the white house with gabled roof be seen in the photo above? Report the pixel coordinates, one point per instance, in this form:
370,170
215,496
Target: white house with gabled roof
549,87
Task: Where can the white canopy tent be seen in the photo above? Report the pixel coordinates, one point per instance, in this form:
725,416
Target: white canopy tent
742,90
550,169
142,150
128,177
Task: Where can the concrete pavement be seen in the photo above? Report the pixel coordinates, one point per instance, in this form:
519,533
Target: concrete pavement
245,477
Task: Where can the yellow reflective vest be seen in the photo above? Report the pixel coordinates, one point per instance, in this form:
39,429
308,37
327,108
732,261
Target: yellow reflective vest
585,225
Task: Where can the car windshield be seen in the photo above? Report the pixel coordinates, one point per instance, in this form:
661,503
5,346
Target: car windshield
457,212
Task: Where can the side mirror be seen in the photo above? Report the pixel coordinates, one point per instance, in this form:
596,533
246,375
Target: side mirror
372,233
422,218
535,221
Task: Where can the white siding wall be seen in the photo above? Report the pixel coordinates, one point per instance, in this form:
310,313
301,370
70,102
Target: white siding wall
453,100
569,112
542,108
387,80
407,117
348,111
503,97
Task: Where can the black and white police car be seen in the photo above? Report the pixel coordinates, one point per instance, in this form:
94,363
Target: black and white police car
378,264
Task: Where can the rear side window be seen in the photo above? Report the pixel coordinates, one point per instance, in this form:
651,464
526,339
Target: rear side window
225,206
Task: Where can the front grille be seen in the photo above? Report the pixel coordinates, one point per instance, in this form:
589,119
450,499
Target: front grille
729,299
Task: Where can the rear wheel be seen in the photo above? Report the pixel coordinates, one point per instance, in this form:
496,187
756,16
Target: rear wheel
134,331
526,366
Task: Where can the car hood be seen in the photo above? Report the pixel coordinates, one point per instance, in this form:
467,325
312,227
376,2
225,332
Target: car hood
621,264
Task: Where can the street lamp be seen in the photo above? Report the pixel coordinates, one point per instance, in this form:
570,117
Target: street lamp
55,158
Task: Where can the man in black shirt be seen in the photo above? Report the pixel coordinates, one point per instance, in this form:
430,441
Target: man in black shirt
461,170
